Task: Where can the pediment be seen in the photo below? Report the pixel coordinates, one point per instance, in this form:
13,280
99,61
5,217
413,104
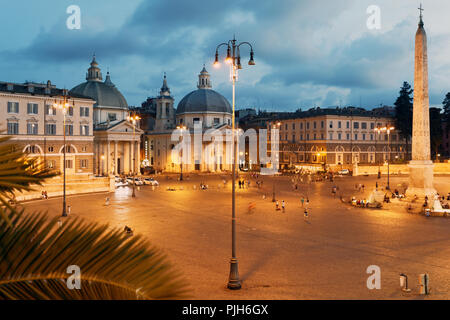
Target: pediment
124,127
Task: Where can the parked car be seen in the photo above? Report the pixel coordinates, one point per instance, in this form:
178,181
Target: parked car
121,183
151,182
137,181
344,171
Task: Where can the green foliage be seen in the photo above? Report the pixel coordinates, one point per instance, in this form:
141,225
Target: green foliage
404,111
446,108
435,130
17,173
35,253
35,250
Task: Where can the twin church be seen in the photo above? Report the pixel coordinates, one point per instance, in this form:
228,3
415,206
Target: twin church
100,138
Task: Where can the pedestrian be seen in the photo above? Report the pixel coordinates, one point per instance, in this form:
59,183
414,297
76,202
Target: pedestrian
248,184
277,205
107,201
376,185
283,205
303,201
68,209
362,188
307,202
264,196
305,214
240,184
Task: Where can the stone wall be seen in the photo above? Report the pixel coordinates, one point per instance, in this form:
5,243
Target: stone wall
75,184
439,168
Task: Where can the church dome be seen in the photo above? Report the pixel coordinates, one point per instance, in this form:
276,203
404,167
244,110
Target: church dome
104,93
204,99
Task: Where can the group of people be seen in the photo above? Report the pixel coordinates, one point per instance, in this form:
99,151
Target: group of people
44,194
242,183
360,203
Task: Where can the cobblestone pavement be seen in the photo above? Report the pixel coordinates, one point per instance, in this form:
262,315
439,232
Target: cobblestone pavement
281,256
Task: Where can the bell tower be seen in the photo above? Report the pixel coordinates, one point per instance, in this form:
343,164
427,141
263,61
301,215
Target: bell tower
204,81
94,73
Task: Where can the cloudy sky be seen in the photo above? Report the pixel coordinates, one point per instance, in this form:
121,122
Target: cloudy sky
307,53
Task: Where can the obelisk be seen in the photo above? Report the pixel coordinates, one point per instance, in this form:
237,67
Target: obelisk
421,166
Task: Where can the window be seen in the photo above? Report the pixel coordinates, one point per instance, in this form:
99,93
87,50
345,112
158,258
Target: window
69,129
355,125
84,148
356,136
32,108
13,107
307,136
293,138
339,136
50,110
70,111
307,125
301,125
83,163
371,136
229,121
315,136
84,130
293,126
216,120
69,164
339,124
331,136
301,136
112,116
331,124
364,136
348,136
13,127
363,125
321,136
50,129
84,112
196,120
32,128
348,124
286,126
314,125
321,124
50,149
32,149
372,125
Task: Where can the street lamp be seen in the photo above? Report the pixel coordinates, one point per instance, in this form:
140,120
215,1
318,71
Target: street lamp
133,120
388,130
278,124
234,60
181,128
64,106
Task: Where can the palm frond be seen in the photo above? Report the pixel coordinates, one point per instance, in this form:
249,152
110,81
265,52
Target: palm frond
18,172
35,253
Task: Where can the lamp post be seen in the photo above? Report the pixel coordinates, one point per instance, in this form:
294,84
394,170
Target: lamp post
133,119
388,130
181,128
63,106
234,59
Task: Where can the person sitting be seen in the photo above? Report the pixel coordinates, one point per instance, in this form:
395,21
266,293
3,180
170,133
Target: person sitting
128,230
448,196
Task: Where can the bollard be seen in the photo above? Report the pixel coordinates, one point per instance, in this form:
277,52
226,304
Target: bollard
424,284
404,283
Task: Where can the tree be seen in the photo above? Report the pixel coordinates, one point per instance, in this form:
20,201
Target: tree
435,130
404,113
446,114
36,251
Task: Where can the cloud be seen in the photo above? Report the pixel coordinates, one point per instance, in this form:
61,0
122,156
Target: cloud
307,52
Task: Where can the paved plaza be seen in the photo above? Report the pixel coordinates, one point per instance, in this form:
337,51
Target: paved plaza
281,256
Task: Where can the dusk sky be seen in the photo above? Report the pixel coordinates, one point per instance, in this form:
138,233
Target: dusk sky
307,53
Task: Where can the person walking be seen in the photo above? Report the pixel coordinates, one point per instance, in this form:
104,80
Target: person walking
283,206
68,209
302,201
305,214
277,206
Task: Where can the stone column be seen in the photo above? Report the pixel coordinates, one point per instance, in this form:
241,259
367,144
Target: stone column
421,166
131,156
115,158
108,157
138,157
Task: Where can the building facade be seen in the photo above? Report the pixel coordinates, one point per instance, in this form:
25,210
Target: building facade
341,136
116,140
28,115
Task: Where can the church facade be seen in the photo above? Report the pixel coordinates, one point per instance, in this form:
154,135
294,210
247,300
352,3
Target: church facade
116,140
170,145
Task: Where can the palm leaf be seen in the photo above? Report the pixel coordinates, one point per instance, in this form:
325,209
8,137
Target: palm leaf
18,172
35,253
